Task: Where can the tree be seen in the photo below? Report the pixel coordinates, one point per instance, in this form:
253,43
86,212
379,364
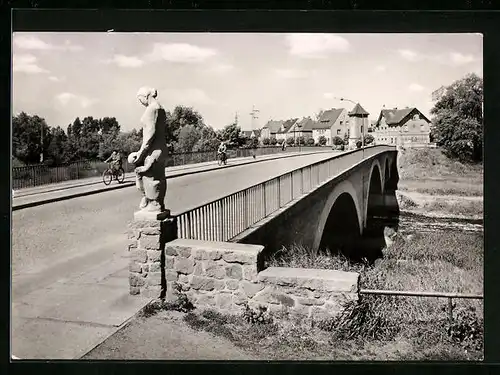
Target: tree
208,140
290,141
273,141
189,135
180,117
300,141
232,134
27,134
56,150
266,141
310,141
458,119
322,140
369,139
346,138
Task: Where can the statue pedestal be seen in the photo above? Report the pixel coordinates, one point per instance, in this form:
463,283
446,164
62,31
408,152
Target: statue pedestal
148,233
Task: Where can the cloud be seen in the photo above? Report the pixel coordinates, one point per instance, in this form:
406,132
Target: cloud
328,95
66,98
315,45
126,61
291,73
26,64
416,87
459,59
180,53
221,68
452,58
408,54
189,96
35,43
380,68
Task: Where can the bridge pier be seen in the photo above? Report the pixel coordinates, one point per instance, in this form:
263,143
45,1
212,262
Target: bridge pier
148,233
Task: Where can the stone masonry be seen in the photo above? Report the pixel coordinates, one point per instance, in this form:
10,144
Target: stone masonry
224,276
147,238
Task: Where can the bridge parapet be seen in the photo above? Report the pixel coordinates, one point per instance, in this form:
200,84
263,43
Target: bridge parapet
224,276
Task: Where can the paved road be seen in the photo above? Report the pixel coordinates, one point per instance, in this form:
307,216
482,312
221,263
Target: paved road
61,239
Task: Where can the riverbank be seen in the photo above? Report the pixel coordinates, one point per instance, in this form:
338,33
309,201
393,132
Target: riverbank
434,185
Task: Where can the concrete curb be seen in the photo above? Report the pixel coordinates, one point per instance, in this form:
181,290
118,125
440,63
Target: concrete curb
128,184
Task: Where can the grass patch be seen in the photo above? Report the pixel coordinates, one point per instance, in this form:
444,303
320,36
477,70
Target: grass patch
404,328
463,208
428,163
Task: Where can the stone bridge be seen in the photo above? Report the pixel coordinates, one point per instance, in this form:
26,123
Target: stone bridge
217,252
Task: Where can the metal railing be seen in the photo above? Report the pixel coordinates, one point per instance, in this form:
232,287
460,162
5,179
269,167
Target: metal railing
40,174
225,218
449,296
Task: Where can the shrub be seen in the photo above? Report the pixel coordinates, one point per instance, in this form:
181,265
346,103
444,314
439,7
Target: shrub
337,141
363,319
266,141
310,141
467,329
290,141
273,141
181,303
300,141
322,140
259,316
369,139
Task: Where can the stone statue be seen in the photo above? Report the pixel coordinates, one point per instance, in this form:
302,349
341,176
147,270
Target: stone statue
150,159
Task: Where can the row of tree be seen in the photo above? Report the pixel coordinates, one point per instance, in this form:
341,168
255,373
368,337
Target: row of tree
92,138
322,141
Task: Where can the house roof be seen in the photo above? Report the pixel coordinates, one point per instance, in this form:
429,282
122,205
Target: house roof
328,118
273,125
396,116
358,111
306,124
287,125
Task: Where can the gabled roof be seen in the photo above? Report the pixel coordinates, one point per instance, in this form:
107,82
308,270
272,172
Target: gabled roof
328,118
358,111
287,125
396,116
306,124
273,125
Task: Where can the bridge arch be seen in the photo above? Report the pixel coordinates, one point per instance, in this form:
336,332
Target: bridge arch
340,221
375,187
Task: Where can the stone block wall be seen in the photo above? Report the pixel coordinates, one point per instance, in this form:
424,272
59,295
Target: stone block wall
224,276
147,240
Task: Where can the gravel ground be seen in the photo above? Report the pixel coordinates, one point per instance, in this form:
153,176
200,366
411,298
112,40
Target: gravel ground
165,336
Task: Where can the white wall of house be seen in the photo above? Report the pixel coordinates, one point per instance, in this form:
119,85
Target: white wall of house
415,131
327,133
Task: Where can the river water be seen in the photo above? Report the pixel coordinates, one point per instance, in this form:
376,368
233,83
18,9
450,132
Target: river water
411,222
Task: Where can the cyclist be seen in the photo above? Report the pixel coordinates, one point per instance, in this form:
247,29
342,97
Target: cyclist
115,161
222,151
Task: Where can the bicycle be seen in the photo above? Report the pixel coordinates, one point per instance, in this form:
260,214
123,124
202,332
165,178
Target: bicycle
110,173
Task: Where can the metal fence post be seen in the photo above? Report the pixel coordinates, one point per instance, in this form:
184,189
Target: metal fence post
450,310
279,191
264,196
245,208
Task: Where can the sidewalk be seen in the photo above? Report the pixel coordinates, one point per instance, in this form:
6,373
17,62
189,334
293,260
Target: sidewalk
70,317
30,197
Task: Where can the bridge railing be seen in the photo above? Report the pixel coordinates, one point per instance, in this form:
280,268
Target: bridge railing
225,218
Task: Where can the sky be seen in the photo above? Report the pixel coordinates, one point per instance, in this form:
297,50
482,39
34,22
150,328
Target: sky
61,76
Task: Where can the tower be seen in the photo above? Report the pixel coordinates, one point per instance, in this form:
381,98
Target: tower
358,120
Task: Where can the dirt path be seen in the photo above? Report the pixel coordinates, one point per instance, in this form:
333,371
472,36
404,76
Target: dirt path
165,336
